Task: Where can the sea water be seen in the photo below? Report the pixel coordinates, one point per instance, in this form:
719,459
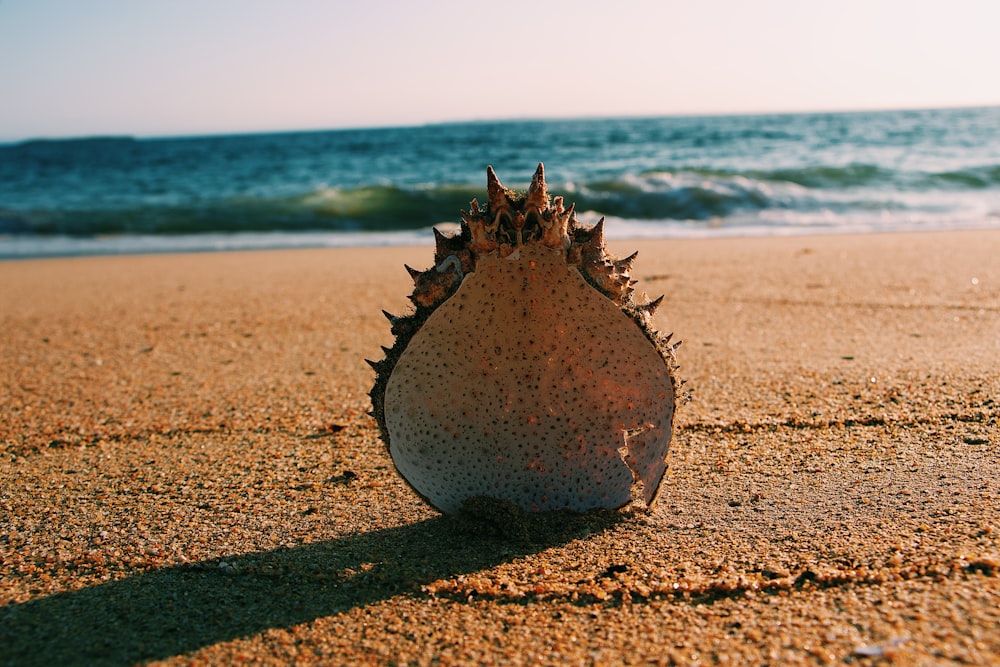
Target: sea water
650,177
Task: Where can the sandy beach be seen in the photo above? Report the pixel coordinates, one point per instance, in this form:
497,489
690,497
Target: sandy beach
189,475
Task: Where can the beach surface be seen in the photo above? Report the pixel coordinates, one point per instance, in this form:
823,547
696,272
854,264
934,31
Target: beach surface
189,475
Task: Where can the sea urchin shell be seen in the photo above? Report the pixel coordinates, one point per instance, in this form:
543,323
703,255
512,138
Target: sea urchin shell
527,372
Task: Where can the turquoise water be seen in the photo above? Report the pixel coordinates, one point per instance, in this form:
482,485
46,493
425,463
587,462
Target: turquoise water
651,177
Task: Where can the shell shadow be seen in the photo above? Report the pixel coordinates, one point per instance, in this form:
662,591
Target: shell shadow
179,609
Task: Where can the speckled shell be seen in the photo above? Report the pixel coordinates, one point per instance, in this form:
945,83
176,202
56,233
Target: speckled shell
527,373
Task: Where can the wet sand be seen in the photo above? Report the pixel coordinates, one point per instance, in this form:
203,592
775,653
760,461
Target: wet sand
189,475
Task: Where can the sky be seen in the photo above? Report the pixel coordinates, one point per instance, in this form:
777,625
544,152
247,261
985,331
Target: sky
181,67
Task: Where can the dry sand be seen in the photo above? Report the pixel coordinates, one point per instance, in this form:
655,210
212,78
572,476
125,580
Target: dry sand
189,475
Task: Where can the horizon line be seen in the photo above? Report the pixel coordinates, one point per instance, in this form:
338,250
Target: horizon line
200,134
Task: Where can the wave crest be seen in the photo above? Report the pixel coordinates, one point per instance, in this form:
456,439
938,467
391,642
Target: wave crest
687,194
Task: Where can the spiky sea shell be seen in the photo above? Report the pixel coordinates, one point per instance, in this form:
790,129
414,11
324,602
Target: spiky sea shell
527,372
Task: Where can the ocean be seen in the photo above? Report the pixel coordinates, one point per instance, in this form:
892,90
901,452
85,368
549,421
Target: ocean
667,177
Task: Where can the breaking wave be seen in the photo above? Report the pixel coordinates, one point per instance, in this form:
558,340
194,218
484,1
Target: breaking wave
687,195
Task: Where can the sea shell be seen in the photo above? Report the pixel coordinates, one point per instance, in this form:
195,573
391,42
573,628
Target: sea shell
527,373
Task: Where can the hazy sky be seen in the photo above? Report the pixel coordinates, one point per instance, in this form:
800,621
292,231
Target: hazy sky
153,67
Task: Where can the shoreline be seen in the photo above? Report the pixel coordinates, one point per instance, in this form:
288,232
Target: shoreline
189,474
15,247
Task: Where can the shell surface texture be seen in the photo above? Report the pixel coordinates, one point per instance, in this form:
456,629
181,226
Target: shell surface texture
528,373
